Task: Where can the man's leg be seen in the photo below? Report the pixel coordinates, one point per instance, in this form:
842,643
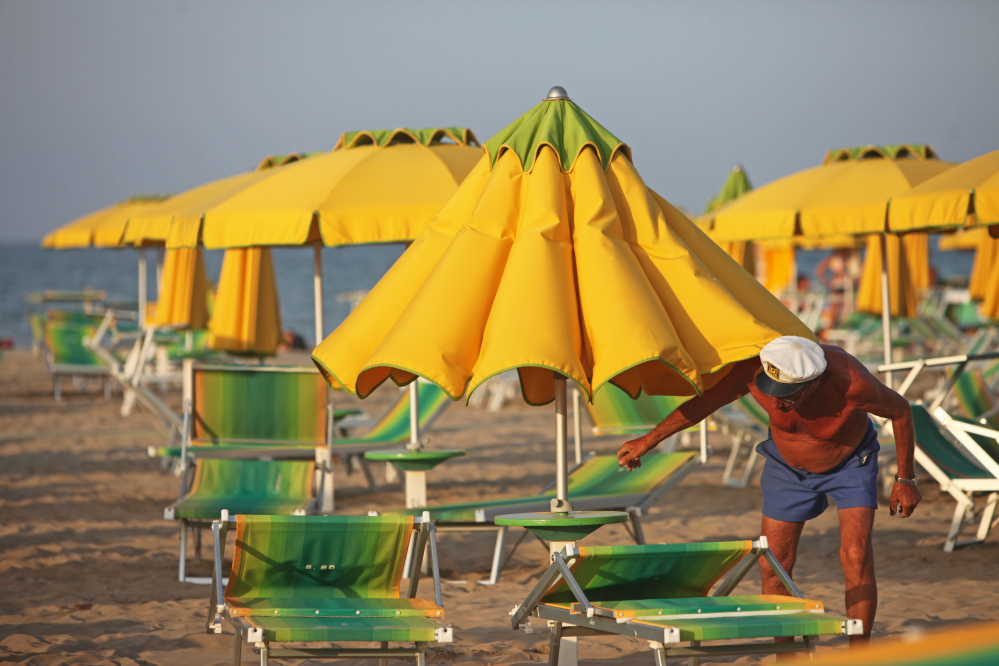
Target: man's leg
856,553
782,537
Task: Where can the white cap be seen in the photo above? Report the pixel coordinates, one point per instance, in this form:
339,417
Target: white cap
789,362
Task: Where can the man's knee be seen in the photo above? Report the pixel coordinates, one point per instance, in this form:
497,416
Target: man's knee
855,554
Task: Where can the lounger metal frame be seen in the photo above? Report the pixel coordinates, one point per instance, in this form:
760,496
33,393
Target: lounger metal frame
589,621
217,608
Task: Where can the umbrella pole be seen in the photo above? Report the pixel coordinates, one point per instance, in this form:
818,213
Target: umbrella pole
317,281
414,416
886,307
142,288
561,459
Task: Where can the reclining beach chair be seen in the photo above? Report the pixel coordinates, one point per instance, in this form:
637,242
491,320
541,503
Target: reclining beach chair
956,473
327,579
257,487
598,484
660,594
746,423
976,399
66,354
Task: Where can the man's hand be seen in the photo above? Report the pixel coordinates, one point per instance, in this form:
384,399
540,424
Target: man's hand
630,452
903,499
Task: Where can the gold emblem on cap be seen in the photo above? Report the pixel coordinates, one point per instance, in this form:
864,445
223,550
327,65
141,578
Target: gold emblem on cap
772,370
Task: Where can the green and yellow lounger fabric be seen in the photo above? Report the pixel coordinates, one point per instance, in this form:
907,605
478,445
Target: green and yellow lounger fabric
326,578
668,584
940,450
974,397
613,412
975,645
247,487
64,333
600,477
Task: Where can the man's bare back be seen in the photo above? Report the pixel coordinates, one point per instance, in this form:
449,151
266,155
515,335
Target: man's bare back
814,431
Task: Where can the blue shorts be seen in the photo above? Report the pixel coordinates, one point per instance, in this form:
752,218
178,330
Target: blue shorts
795,495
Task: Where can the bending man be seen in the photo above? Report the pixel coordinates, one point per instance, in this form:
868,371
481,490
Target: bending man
822,443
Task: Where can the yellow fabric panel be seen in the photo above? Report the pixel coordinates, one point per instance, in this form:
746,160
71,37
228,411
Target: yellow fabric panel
183,297
743,253
587,273
943,200
917,260
780,269
103,228
246,317
367,194
900,289
990,302
153,224
986,258
965,239
838,198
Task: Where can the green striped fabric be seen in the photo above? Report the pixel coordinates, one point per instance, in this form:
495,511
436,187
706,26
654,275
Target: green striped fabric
601,477
317,557
247,487
756,626
614,412
620,573
947,456
335,607
394,424
744,603
969,645
973,397
402,629
64,331
259,405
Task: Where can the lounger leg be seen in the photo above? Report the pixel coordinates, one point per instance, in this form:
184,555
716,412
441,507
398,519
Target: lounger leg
987,514
421,658
107,388
368,476
183,549
237,650
498,549
694,661
568,652
554,643
636,522
264,654
809,646
660,654
733,457
57,388
384,660
955,527
748,473
197,543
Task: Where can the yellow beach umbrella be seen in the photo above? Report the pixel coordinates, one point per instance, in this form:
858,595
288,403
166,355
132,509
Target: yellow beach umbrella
908,273
967,195
554,258
105,229
183,292
735,186
246,318
963,239
848,194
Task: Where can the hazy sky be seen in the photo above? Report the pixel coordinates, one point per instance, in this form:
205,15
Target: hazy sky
101,100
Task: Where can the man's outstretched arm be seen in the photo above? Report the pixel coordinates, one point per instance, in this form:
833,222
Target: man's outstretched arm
875,398
733,386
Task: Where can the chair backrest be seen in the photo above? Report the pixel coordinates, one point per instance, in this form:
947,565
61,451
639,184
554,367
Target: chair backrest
602,476
665,571
259,403
614,412
940,450
973,396
252,479
319,557
393,424
64,334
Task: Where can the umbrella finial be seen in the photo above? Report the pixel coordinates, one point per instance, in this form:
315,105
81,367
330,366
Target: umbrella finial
557,93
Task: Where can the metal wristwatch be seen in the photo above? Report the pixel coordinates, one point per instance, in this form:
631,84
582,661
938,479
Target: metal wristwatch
907,482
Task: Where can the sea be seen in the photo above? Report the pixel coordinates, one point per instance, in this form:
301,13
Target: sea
27,268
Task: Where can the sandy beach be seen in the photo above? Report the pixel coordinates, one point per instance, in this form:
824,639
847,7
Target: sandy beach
89,566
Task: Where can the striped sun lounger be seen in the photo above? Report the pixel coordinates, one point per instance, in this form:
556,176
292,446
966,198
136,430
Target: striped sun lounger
968,645
252,487
327,579
957,474
661,594
598,484
65,352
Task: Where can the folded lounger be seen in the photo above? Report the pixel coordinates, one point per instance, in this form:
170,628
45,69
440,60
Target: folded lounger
255,487
956,473
660,594
65,352
598,484
323,579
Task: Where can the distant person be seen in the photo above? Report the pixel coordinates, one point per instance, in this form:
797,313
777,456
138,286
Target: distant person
822,442
803,284
291,340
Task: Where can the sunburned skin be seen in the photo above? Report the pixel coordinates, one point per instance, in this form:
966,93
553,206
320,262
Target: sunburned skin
821,427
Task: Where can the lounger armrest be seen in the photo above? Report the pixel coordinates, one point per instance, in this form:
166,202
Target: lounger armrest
216,601
743,567
439,597
520,613
782,575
